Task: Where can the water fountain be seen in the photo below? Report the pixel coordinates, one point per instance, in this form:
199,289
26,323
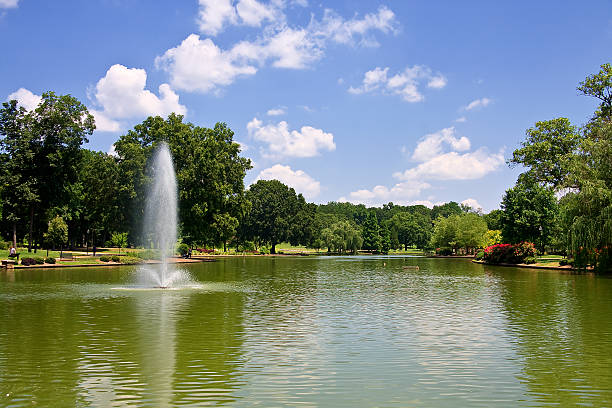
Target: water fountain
160,223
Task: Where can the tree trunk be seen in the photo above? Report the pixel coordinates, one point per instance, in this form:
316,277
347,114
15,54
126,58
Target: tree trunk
15,235
31,228
224,247
273,249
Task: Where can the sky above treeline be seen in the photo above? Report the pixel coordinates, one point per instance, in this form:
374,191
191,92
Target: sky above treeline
410,102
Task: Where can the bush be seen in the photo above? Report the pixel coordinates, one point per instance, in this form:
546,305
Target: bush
563,262
182,249
530,260
5,245
149,254
28,261
130,260
444,251
479,256
105,258
116,258
39,260
509,253
50,260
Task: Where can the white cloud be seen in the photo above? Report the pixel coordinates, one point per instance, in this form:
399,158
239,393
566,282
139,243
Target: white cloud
404,84
213,14
455,166
461,119
472,203
199,65
104,123
281,110
431,145
202,66
299,180
281,142
435,164
9,3
25,98
112,151
478,103
122,94
342,31
401,193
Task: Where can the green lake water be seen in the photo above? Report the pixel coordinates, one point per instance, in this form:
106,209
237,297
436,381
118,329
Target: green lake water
307,331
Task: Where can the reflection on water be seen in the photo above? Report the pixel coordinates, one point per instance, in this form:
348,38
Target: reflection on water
358,331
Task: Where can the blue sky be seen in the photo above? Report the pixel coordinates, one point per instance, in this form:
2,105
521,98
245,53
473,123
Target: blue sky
370,102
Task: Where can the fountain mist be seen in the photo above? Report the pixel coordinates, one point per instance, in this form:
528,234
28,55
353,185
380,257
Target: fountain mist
161,216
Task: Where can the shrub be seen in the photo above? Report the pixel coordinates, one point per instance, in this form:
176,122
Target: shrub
116,258
39,260
444,251
509,253
50,260
564,262
105,258
479,256
28,261
130,260
530,260
4,245
182,249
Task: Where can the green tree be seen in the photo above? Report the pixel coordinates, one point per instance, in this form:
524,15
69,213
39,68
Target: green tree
209,171
411,229
546,151
529,214
371,233
445,232
119,240
471,232
273,207
599,86
445,210
493,219
57,233
342,236
225,226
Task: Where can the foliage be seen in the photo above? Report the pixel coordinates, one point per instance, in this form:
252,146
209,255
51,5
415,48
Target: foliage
411,229
599,86
493,219
529,214
130,260
274,207
50,260
546,151
119,240
493,237
509,253
28,261
105,258
479,256
370,233
57,233
116,258
182,249
445,210
342,236
467,230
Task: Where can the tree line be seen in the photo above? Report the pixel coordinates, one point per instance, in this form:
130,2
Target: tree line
562,202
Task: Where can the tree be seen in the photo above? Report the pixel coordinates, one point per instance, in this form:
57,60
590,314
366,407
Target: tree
57,233
342,236
599,86
43,152
529,214
225,225
493,219
411,229
119,240
209,171
273,207
445,210
445,232
471,232
546,151
371,234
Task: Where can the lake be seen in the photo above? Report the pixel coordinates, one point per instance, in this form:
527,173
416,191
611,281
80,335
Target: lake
308,331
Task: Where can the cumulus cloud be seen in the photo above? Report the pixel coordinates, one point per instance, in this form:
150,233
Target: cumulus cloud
277,111
121,94
478,103
431,145
200,65
25,98
404,84
440,158
9,3
455,166
281,142
472,203
298,179
462,119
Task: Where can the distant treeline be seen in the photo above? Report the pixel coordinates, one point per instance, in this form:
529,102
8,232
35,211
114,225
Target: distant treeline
48,180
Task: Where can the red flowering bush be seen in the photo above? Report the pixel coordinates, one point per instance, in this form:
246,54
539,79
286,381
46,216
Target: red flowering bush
509,253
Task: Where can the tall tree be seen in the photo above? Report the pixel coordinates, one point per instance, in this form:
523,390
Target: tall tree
371,233
546,151
529,214
273,207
